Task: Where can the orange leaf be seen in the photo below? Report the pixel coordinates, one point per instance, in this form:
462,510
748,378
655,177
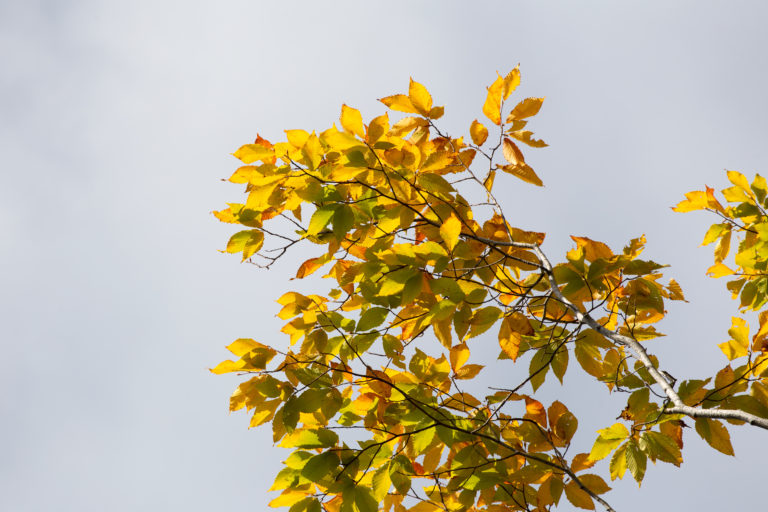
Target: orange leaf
309,266
535,410
512,153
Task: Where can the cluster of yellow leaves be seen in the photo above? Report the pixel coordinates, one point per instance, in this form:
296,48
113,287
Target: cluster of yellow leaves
743,384
411,258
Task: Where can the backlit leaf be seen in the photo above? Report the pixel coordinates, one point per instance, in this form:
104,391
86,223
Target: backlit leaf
715,434
478,132
352,121
578,497
400,102
420,97
524,172
512,153
526,108
608,439
511,81
450,231
492,105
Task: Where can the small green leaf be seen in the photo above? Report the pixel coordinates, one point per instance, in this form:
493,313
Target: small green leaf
321,218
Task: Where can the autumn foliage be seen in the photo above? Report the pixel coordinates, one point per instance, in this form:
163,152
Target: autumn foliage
370,394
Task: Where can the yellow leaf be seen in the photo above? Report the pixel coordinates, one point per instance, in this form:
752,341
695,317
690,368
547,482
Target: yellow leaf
248,242
287,498
675,290
352,121
436,112
739,331
469,371
593,250
695,200
450,231
524,172
740,181
512,153
526,137
313,151
739,345
420,97
758,340
608,439
297,138
722,247
399,102
492,105
511,81
377,128
406,125
488,181
580,462
526,108
242,346
618,464
714,433
249,153
478,132
509,339
719,270
578,497
458,356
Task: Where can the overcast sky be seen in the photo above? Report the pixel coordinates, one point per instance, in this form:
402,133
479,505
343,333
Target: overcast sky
117,120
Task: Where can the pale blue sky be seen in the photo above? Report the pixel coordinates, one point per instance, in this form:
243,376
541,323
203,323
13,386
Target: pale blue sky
116,124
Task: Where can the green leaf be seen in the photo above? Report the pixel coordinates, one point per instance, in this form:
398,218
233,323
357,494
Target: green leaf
636,461
321,218
560,363
248,242
343,220
310,438
306,505
540,364
371,318
608,439
658,446
394,282
482,320
320,465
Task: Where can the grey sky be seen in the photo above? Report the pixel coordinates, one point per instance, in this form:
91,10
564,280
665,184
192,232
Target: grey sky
116,124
